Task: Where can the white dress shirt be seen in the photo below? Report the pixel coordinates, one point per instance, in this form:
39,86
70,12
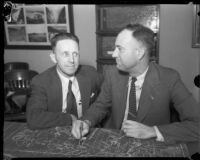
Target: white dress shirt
75,90
138,86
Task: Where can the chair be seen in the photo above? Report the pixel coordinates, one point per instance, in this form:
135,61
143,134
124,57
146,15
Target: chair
19,80
17,89
15,65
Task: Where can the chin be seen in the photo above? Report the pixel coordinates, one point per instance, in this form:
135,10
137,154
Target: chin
69,74
120,68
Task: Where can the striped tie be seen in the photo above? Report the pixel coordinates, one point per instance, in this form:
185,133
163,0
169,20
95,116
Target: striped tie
132,101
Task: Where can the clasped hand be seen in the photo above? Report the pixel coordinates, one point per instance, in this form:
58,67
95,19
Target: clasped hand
138,130
79,129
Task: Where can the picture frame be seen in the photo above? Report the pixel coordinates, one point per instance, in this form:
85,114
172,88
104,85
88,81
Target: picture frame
31,26
196,27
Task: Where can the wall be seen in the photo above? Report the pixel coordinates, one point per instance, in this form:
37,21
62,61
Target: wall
175,43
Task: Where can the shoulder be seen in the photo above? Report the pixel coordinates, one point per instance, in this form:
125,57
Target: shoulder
86,68
166,73
45,76
87,71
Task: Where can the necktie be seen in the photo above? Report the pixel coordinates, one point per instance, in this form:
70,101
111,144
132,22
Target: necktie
71,101
132,101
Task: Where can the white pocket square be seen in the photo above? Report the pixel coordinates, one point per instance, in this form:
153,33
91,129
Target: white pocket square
92,95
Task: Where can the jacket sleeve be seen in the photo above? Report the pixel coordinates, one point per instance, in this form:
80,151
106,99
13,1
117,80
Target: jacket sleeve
37,113
187,129
100,108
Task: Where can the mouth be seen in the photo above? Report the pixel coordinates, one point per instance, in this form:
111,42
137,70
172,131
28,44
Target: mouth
117,61
72,66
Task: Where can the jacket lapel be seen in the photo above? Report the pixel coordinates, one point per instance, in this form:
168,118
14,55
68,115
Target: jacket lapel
85,88
122,90
57,89
148,93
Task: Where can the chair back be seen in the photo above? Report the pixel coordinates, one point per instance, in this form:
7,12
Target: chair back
16,66
19,79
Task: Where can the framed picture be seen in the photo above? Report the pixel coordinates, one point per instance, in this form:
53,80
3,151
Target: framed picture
32,26
196,27
114,17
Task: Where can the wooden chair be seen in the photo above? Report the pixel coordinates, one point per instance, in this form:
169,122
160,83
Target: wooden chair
17,89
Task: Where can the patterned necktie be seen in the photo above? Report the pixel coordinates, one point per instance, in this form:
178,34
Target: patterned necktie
71,101
132,101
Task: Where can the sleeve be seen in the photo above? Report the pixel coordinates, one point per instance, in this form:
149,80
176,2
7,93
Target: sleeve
158,134
37,112
100,108
187,129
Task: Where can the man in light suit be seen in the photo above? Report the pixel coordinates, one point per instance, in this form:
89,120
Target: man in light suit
156,88
48,105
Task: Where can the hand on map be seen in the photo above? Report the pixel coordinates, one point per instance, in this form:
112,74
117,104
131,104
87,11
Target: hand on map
138,130
79,129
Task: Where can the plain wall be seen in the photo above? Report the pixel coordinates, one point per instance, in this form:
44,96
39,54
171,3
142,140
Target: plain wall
174,49
176,22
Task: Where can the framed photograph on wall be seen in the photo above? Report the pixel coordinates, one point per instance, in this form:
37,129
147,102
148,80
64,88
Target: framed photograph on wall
196,27
32,26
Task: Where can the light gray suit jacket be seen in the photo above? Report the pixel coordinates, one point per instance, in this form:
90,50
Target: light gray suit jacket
161,87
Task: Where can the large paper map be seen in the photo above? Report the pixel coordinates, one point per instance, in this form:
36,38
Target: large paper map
59,142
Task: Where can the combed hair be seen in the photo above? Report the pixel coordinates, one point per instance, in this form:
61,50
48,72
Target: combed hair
143,34
61,36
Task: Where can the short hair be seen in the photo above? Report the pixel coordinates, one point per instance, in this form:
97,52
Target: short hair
61,36
143,34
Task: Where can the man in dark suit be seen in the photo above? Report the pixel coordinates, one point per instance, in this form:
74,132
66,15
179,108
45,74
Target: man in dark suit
63,92
156,87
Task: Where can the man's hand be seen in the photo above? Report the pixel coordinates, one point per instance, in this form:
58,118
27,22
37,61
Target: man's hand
138,130
79,129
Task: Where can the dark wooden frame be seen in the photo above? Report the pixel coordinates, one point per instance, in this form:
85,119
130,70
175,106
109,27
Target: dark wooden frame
102,32
196,27
40,46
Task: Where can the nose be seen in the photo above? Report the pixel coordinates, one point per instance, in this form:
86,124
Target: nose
71,58
115,53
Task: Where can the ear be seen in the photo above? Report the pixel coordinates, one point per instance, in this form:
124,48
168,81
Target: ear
53,58
140,53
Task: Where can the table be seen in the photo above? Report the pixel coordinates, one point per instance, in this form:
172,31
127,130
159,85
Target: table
18,117
20,141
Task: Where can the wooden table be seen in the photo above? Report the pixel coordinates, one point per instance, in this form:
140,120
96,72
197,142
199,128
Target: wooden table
20,141
17,117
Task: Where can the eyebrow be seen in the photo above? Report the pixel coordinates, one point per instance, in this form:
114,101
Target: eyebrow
119,46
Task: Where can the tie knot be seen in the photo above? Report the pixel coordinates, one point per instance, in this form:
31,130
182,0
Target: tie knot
70,85
134,79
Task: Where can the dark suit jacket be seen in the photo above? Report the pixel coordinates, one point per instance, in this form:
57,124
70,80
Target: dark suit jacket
161,87
44,107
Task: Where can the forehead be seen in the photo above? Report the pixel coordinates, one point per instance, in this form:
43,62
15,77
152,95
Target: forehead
67,44
125,37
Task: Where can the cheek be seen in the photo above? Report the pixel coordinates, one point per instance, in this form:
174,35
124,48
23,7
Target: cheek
128,61
76,60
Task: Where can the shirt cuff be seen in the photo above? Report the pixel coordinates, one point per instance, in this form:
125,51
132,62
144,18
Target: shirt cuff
158,134
87,122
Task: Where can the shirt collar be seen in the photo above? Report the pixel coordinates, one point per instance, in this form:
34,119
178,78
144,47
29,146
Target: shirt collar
140,78
143,74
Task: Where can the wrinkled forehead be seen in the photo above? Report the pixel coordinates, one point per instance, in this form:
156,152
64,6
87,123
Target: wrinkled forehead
67,44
